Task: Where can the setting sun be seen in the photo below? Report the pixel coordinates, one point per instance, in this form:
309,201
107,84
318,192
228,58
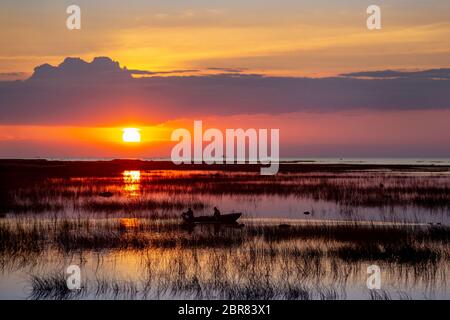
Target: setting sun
131,135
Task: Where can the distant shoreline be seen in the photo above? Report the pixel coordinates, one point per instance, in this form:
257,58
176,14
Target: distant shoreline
113,167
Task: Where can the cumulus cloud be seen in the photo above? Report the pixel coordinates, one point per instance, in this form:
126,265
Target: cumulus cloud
101,92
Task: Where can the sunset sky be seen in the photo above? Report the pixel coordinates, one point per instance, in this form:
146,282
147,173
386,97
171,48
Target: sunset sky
262,64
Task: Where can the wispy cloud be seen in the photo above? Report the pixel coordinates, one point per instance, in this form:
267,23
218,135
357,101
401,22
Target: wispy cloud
5,76
439,74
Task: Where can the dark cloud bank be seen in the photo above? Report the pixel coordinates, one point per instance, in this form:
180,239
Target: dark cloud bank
78,92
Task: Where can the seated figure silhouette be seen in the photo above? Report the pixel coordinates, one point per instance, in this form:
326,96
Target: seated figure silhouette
188,215
216,213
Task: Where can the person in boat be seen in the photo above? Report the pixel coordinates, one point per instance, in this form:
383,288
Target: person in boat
216,213
189,215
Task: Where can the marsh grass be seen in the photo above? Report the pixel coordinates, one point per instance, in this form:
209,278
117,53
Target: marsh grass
138,205
358,240
406,253
53,286
300,261
379,295
347,189
228,263
308,262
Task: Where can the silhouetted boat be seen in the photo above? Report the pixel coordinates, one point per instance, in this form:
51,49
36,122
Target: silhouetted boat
106,194
222,219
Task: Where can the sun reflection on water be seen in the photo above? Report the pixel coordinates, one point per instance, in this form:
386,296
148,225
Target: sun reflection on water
132,180
128,223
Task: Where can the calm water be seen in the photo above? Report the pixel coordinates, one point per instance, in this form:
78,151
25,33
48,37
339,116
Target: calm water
234,271
201,187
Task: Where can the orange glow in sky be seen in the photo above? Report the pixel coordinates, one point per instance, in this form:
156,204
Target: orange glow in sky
295,38
297,131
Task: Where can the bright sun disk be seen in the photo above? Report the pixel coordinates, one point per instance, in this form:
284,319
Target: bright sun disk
131,135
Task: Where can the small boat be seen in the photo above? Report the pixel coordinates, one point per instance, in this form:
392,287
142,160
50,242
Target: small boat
229,218
106,194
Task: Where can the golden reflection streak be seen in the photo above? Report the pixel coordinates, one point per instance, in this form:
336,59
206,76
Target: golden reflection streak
132,180
127,223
